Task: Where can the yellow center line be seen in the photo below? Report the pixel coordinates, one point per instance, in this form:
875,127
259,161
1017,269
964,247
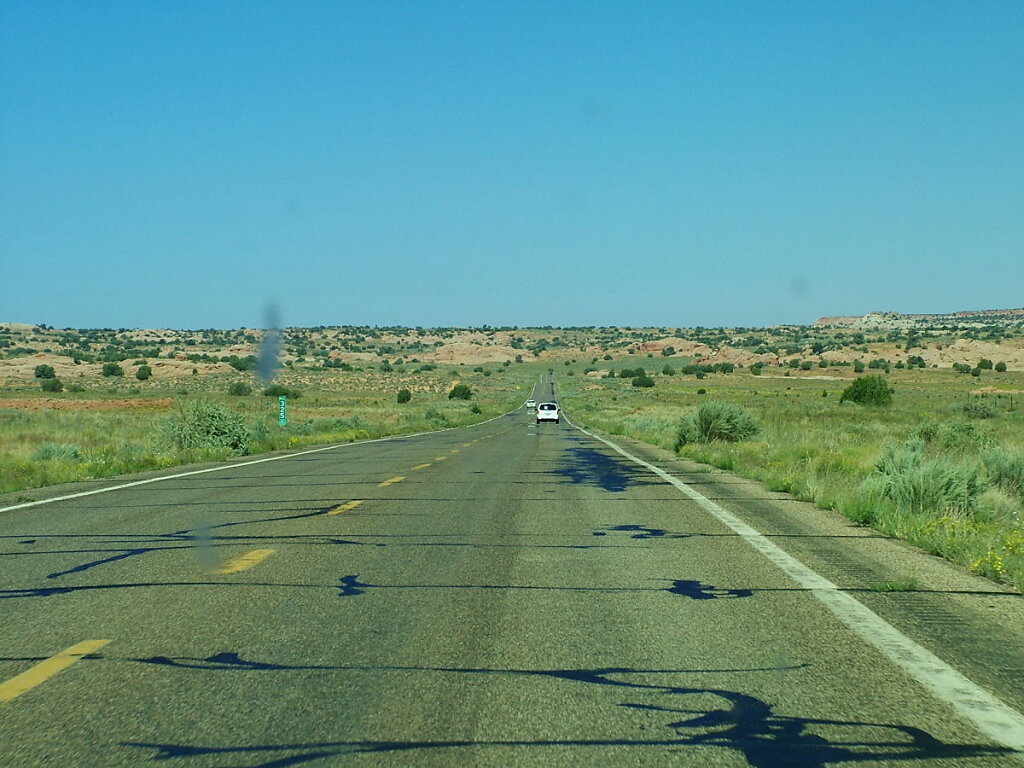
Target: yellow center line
44,670
392,481
242,562
345,507
420,466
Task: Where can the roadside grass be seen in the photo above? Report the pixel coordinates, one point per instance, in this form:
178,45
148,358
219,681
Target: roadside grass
919,470
102,437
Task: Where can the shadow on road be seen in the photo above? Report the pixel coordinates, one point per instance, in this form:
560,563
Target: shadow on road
696,716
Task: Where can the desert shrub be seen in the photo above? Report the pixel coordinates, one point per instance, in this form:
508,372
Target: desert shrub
1006,470
1000,367
200,424
717,420
858,366
112,369
56,452
643,381
960,437
460,392
404,396
476,409
976,410
143,372
434,416
51,385
922,484
668,370
45,372
868,390
239,389
277,390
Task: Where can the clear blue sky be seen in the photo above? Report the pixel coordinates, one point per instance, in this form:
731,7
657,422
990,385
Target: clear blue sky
186,164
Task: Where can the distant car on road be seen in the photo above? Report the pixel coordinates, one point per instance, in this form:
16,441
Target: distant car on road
547,412
531,404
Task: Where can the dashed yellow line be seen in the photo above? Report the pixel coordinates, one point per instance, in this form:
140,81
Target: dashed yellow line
420,466
392,481
345,507
466,445
441,458
243,562
44,670
455,450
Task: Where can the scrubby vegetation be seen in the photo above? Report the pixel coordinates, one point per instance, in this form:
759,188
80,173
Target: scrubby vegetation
941,463
715,420
940,466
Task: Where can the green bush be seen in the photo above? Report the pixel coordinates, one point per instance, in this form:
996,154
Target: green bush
717,420
868,390
200,424
920,484
143,372
460,392
45,372
51,385
977,410
1006,469
277,390
643,381
239,389
960,437
56,452
404,396
112,369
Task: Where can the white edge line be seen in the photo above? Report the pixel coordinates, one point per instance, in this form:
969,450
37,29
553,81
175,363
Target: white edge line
990,716
233,465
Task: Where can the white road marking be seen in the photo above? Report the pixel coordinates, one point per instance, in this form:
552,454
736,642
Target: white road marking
992,717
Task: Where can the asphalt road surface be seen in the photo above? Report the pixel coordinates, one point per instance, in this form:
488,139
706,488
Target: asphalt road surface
509,594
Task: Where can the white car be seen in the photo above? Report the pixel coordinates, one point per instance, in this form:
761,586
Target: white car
547,412
531,404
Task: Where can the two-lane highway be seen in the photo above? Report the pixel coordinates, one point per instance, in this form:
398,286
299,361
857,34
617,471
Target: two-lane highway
506,594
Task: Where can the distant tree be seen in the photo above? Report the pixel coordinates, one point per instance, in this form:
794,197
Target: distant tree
460,392
277,390
1000,367
239,389
51,385
643,381
45,372
404,396
868,390
143,372
112,369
